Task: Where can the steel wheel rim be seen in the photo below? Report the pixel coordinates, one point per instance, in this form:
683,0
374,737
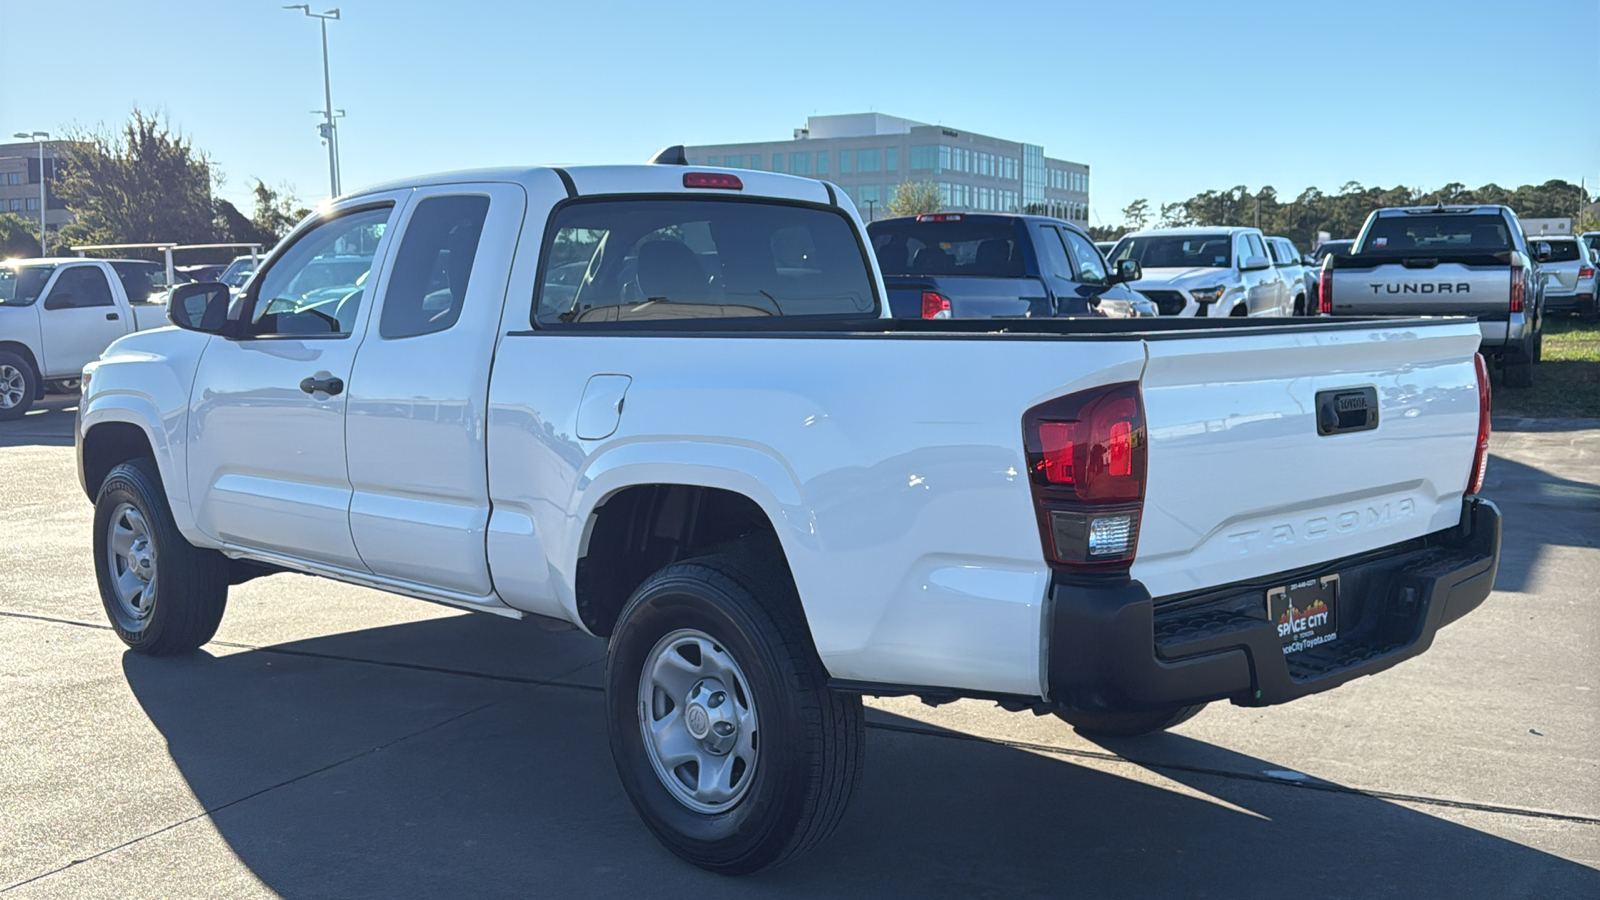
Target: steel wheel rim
131,562
13,387
697,716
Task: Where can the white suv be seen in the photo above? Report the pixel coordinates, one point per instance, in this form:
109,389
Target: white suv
1222,271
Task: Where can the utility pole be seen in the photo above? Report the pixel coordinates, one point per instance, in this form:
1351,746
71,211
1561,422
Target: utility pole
329,129
41,137
871,205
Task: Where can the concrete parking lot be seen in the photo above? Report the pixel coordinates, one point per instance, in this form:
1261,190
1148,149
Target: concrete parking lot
337,742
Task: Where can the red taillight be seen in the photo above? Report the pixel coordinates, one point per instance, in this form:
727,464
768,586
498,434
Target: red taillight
938,217
1517,286
1086,460
935,306
1585,272
1480,459
719,180
1325,287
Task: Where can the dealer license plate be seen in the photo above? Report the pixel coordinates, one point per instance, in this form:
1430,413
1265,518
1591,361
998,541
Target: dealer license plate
1306,612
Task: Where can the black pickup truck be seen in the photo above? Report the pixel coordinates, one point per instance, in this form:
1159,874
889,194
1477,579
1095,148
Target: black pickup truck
984,265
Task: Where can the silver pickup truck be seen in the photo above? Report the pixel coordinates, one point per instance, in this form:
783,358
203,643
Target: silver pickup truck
1447,261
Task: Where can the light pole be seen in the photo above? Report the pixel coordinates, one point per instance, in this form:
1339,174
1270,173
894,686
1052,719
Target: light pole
41,137
329,127
871,205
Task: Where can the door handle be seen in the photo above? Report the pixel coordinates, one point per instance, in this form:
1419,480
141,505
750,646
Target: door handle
330,385
111,317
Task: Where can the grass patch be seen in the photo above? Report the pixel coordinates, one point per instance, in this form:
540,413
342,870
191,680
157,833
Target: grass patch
1566,383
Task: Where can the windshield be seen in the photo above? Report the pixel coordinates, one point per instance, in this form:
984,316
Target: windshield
632,260
967,247
1422,234
1176,251
238,272
21,285
1331,247
1563,251
1593,240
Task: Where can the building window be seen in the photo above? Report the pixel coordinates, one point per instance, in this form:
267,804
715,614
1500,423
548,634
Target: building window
14,178
733,162
924,157
799,164
713,160
16,204
33,203
844,162
867,160
755,160
777,162
822,162
693,161
891,159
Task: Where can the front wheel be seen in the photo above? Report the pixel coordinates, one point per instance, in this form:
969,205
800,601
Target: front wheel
162,594
19,386
1127,724
723,729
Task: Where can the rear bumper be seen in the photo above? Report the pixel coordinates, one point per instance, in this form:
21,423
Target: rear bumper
1568,302
1500,333
1115,648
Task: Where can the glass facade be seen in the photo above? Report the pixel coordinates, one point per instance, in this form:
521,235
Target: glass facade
1033,174
799,164
891,159
822,162
867,160
844,162
925,158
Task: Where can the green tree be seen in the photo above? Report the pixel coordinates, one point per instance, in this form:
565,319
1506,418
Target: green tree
18,237
144,183
276,212
915,198
1136,215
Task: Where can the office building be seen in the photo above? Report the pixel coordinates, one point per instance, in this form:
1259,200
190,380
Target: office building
19,184
868,154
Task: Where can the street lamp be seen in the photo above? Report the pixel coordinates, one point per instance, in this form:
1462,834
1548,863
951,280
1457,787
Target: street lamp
41,137
328,128
871,205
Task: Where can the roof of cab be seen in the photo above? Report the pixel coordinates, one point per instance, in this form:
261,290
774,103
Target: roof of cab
629,179
1467,209
1196,229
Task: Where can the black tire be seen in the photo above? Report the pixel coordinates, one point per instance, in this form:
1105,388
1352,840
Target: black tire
1589,310
1300,306
1127,724
1241,310
808,758
1538,348
188,589
14,369
1517,370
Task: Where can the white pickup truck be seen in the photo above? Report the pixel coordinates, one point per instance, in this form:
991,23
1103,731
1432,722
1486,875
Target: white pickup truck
57,315
665,404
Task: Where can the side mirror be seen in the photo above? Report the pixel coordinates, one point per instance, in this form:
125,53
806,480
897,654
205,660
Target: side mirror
1541,251
1127,270
200,306
1254,264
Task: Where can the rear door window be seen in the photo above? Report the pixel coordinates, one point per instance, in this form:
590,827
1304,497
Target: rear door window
639,260
962,246
429,280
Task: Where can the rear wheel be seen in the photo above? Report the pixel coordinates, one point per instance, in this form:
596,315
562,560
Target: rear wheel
1589,310
1128,724
1239,310
162,594
724,732
19,385
1300,306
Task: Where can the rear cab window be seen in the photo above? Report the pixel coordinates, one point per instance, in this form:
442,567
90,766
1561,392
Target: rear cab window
950,246
669,259
1418,234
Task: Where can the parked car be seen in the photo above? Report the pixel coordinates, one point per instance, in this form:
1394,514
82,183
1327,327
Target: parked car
1296,274
1207,272
964,266
1569,280
56,315
1315,257
143,281
1592,238
202,272
1104,247
1447,261
722,455
239,271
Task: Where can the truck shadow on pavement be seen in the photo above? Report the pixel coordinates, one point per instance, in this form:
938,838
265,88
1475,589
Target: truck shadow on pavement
356,765
48,424
1541,509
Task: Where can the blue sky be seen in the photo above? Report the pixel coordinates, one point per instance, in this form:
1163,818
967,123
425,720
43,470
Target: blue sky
1162,100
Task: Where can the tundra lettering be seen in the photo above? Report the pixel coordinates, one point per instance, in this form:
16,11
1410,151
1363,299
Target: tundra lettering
1424,288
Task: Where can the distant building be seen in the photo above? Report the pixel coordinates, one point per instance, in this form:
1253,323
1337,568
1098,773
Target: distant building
1536,227
867,154
19,183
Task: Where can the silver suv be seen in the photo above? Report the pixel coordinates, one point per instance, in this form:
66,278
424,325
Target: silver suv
1569,279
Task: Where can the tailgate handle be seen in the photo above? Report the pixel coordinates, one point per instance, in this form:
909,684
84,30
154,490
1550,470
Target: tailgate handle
1346,410
1420,262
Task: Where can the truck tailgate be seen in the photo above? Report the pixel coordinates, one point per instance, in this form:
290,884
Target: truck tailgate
1242,485
971,297
1423,286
